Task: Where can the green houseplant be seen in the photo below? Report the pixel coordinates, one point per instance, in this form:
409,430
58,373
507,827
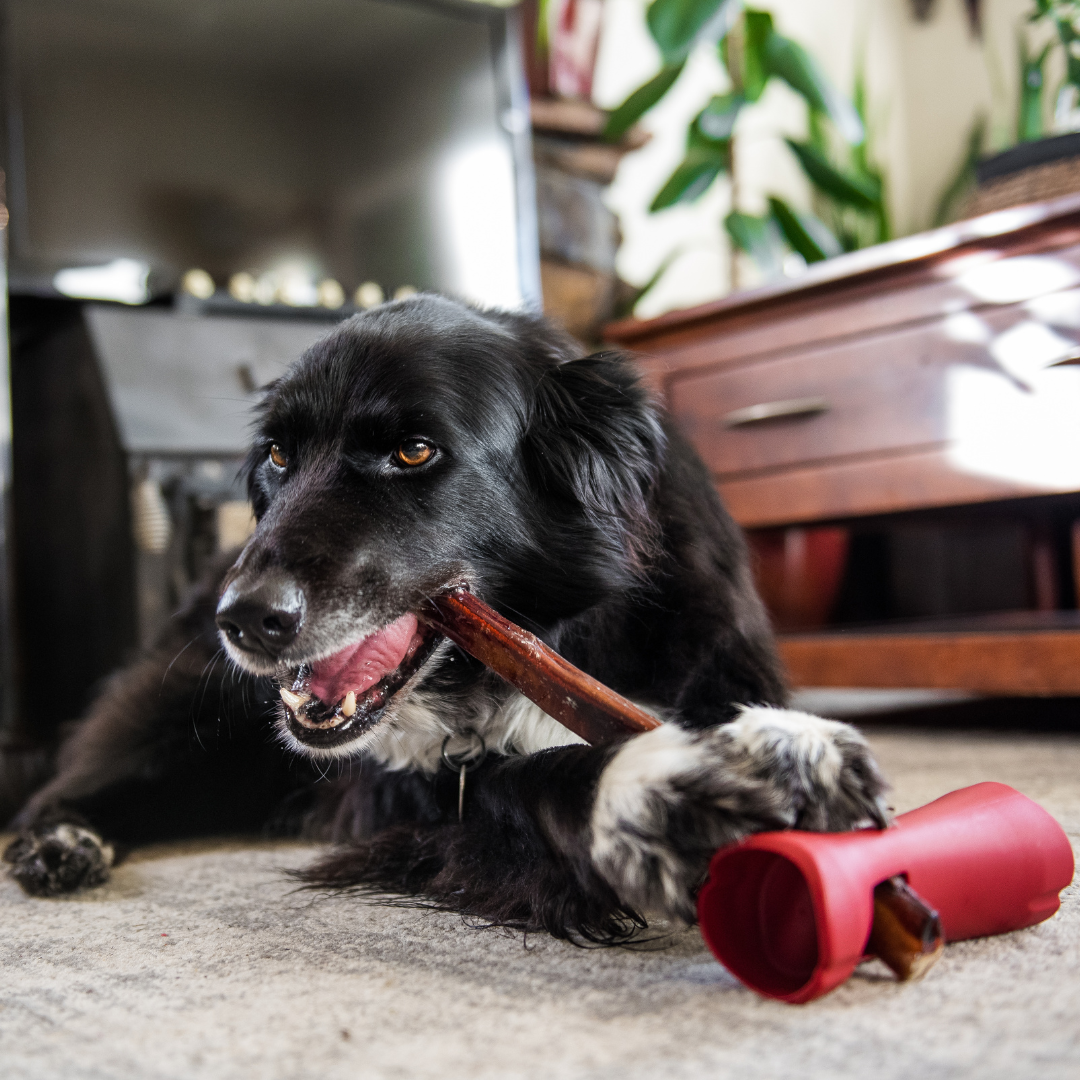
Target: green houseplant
1064,16
849,189
1029,125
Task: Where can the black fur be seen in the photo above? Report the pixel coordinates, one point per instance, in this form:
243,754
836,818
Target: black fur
565,498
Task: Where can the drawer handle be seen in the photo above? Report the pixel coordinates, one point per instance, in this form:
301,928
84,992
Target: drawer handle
1071,358
776,410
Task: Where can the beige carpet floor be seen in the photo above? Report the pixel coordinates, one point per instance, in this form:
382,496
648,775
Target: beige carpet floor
199,961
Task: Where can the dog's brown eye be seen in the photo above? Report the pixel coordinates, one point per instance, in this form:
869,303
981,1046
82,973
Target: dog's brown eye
414,452
277,456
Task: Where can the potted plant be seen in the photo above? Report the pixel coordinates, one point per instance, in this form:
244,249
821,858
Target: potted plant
1041,165
849,189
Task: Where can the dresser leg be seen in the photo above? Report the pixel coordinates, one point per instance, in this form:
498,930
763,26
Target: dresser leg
1044,568
1076,559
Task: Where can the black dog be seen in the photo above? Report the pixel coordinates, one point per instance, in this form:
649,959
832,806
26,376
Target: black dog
419,445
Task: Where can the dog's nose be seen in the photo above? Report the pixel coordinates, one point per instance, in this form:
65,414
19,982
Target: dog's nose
264,618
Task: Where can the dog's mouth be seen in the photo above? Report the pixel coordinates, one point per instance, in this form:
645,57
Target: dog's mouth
333,700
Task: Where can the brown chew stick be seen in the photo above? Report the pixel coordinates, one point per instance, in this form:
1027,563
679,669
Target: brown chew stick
906,931
906,934
576,700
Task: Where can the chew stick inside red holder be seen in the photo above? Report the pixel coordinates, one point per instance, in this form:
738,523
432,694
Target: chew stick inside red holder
906,931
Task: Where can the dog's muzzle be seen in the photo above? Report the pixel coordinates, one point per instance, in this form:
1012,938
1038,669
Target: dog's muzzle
329,700
263,620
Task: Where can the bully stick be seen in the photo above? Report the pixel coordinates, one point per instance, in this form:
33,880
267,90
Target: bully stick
576,700
906,932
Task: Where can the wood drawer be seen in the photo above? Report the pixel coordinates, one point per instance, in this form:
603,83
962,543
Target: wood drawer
865,312
920,347
881,394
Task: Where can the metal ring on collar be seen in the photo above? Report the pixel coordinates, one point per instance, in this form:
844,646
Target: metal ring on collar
457,762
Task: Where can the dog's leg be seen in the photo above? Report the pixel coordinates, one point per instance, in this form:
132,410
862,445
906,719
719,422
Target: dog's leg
519,856
671,797
55,858
578,839
169,750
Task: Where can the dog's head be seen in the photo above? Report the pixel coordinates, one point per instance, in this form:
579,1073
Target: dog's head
422,445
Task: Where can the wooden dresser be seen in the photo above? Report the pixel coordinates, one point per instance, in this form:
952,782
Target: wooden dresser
936,372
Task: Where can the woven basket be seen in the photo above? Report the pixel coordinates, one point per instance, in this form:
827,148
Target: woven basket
1028,173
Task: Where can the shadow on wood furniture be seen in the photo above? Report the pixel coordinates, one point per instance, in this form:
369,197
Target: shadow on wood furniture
932,383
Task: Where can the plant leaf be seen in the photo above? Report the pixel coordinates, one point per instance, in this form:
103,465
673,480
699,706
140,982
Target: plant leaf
789,61
1067,34
542,38
640,102
676,25
1029,117
864,193
717,120
758,29
822,235
813,242
760,238
859,156
704,161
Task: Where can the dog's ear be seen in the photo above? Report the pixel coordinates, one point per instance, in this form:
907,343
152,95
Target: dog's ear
594,440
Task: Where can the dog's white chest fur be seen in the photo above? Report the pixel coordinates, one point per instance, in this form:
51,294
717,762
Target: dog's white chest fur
413,739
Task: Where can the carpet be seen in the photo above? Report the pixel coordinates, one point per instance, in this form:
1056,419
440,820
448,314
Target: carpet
200,960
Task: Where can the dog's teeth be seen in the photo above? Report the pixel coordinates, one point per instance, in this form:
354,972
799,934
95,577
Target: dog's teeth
295,701
348,703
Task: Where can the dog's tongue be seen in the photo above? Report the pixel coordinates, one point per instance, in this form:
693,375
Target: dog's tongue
359,667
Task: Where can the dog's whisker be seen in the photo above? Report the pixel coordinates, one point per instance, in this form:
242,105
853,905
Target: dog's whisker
204,681
165,674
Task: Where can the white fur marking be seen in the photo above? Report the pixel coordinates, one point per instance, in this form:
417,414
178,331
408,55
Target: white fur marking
642,768
761,728
71,835
413,738
632,791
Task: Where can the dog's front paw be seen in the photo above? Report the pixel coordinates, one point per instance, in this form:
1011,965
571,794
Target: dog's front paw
665,802
823,769
668,799
59,859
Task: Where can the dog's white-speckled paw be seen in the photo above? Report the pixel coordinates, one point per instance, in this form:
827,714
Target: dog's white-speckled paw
825,767
669,798
59,859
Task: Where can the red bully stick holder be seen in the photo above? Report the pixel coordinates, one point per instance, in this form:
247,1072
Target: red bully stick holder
791,913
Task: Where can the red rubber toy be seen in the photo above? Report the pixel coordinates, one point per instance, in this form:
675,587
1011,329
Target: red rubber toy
789,913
